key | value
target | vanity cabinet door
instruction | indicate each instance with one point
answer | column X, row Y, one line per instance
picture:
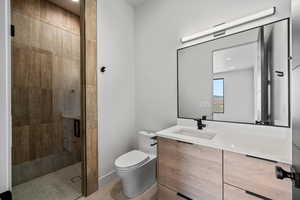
column 166, row 194
column 233, row 193
column 256, row 175
column 192, row 170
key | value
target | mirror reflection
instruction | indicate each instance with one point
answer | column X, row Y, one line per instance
column 238, row 78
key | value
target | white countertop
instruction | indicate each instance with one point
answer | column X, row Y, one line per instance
column 263, row 142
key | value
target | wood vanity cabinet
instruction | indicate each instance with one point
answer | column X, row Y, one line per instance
column 189, row 170
column 253, row 176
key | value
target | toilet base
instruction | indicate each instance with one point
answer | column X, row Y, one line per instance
column 137, row 181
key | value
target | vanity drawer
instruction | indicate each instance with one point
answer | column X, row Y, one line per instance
column 233, row 193
column 166, row 194
column 193, row 170
column 256, row 175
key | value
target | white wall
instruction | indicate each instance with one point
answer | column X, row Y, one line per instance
column 116, row 85
column 159, row 26
column 5, row 130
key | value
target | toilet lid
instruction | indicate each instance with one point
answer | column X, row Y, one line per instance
column 131, row 159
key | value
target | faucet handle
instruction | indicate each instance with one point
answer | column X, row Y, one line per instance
column 154, row 138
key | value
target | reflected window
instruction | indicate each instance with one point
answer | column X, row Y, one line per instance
column 218, row 96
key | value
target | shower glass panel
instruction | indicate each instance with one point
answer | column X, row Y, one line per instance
column 46, row 101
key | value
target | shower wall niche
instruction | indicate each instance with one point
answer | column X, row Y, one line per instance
column 45, row 89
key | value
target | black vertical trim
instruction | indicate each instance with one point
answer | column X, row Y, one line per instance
column 223, row 182
column 289, row 72
column 76, row 127
column 12, row 30
column 83, row 98
column 178, row 107
column 6, row 195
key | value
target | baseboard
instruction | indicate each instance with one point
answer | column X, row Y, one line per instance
column 103, row 180
column 6, row 195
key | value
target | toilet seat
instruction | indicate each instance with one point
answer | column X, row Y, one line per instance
column 132, row 159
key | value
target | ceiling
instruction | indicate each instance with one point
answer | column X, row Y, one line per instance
column 73, row 7
column 235, row 58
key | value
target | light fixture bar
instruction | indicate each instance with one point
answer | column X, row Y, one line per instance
column 224, row 26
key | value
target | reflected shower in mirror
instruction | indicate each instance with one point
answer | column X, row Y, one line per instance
column 242, row 77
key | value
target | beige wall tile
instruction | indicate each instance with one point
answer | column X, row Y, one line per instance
column 67, row 73
column 28, row 7
column 18, row 5
column 92, row 163
column 58, row 72
column 20, row 144
column 20, row 73
column 58, row 104
column 47, row 33
column 76, row 24
column 58, row 134
column 20, row 108
column 46, row 71
column 58, row 42
column 34, row 69
column 47, row 10
column 75, row 77
column 35, row 105
column 91, row 103
column 32, row 7
column 91, row 63
column 67, row 17
column 75, row 47
column 22, row 28
column 67, row 44
column 34, row 37
column 47, row 106
column 91, row 19
column 91, row 96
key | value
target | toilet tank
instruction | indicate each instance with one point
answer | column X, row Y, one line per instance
column 145, row 142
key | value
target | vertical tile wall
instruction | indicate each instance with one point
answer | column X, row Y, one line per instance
column 90, row 89
column 45, row 87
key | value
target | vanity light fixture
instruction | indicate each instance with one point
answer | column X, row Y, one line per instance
column 75, row 0
column 232, row 24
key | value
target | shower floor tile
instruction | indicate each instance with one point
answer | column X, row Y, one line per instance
column 64, row 184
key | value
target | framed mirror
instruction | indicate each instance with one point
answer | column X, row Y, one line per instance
column 241, row 78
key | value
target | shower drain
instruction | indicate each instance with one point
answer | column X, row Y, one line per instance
column 75, row 179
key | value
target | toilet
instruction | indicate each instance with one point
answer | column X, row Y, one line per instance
column 137, row 168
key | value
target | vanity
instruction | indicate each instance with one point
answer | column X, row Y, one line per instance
column 239, row 85
column 226, row 163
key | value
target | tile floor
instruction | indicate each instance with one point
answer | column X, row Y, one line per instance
column 64, row 184
column 113, row 191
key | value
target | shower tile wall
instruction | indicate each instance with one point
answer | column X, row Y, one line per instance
column 45, row 88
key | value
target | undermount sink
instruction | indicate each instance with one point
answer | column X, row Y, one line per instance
column 203, row 134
